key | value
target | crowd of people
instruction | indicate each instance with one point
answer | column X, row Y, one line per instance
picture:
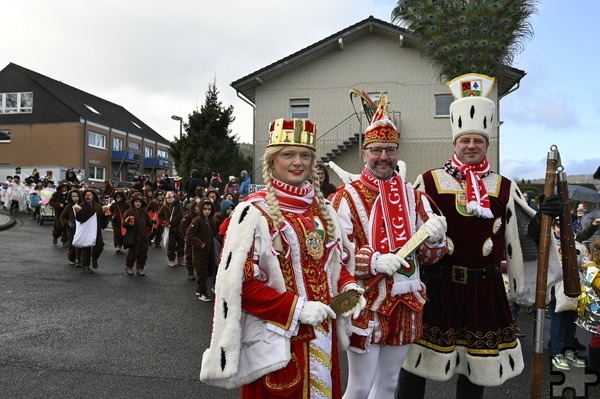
column 406, row 278
column 160, row 214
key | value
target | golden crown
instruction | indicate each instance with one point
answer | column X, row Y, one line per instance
column 292, row 132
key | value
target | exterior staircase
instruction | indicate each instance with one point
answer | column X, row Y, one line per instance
column 344, row 135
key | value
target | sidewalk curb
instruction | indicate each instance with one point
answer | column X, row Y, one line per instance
column 11, row 222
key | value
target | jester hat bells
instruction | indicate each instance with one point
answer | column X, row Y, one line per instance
column 381, row 129
column 296, row 131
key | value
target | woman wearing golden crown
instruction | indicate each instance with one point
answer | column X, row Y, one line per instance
column 284, row 260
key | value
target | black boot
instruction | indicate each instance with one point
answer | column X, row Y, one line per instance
column 467, row 390
column 411, row 386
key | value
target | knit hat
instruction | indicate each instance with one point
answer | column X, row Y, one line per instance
column 224, row 205
column 381, row 129
column 63, row 183
column 296, row 131
column 137, row 196
column 472, row 111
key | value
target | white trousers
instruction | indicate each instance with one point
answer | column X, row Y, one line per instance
column 374, row 375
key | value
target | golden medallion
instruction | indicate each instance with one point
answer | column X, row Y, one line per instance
column 314, row 244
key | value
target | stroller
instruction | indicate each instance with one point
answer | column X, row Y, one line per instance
column 46, row 212
column 34, row 202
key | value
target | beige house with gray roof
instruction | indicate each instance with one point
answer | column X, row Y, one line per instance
column 373, row 56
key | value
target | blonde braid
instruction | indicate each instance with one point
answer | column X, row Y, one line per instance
column 271, row 198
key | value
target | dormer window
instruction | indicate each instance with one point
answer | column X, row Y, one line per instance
column 16, row 103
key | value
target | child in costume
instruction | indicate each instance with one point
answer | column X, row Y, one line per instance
column 137, row 218
column 153, row 207
column 90, row 208
column 67, row 220
column 589, row 305
column 170, row 216
column 194, row 207
column 116, row 212
column 199, row 236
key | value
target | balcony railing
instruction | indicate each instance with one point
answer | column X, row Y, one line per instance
column 156, row 163
column 125, row 156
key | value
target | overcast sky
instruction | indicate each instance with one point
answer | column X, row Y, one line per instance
column 156, row 58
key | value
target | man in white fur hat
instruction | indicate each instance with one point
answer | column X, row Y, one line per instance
column 468, row 328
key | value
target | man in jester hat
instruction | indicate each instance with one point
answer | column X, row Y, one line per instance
column 380, row 212
column 285, row 258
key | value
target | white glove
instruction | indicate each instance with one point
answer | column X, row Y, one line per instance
column 436, row 227
column 360, row 305
column 314, row 312
column 389, row 264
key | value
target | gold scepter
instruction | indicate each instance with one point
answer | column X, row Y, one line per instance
column 344, row 302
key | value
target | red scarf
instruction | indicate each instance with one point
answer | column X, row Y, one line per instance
column 389, row 221
column 477, row 196
column 291, row 199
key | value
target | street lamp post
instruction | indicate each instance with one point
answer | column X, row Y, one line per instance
column 180, row 119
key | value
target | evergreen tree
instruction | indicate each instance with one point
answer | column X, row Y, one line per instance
column 208, row 143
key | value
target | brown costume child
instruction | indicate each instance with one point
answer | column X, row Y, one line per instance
column 67, row 220
column 117, row 210
column 170, row 215
column 137, row 218
column 195, row 208
column 153, row 207
column 148, row 192
column 90, row 207
column 199, row 236
column 58, row 201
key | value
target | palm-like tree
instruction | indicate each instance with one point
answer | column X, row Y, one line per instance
column 467, row 36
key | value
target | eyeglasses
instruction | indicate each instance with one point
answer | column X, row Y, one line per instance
column 379, row 150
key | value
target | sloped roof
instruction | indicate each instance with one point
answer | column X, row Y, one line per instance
column 109, row 114
column 508, row 79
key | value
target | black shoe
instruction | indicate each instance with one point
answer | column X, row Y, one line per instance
column 204, row 297
column 191, row 276
column 87, row 270
column 579, row 346
column 95, row 263
column 54, row 241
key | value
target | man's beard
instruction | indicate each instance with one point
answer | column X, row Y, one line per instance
column 382, row 175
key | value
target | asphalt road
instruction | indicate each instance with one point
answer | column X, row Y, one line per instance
column 64, row 334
